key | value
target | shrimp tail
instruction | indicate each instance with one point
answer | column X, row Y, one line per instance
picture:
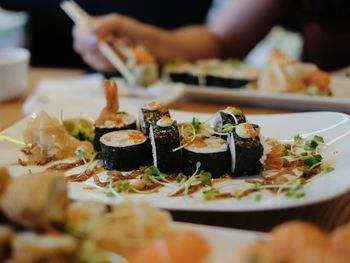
column 111, row 90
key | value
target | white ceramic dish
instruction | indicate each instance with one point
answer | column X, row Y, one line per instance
column 13, row 72
column 330, row 125
column 340, row 101
column 62, row 91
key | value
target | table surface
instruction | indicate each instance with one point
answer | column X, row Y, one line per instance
column 327, row 214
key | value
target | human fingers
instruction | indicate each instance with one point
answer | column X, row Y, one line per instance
column 98, row 62
column 83, row 39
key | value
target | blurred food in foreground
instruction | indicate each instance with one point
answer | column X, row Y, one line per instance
column 284, row 74
column 298, row 242
column 40, row 224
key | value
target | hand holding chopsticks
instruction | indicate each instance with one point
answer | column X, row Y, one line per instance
column 79, row 16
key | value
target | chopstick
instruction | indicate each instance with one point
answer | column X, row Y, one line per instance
column 79, row 16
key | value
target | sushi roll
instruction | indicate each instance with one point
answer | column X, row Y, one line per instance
column 231, row 74
column 164, row 137
column 122, row 121
column 230, row 115
column 142, row 65
column 125, row 150
column 198, row 72
column 177, row 71
column 150, row 115
column 110, row 118
column 213, row 154
column 246, row 149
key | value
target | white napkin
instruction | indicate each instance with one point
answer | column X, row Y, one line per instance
column 51, row 90
column 90, row 87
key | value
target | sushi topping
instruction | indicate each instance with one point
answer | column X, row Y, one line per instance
column 155, row 106
column 234, row 111
column 199, row 142
column 137, row 137
column 165, row 121
column 123, row 138
column 108, row 113
column 247, row 130
column 207, row 144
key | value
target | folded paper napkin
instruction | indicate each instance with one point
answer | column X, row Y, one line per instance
column 90, row 87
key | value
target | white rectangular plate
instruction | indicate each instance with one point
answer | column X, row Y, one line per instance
column 330, row 125
column 340, row 101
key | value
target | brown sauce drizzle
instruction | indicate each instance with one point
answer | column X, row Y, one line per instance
column 86, row 175
column 65, row 166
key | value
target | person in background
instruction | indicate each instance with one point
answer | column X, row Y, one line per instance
column 50, row 28
column 232, row 31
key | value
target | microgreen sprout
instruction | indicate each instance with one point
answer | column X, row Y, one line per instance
column 196, row 124
column 211, row 194
column 228, row 127
column 199, row 176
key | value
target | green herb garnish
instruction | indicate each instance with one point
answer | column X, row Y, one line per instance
column 312, row 144
column 295, row 192
column 313, row 160
column 228, row 127
column 211, row 194
column 257, row 197
column 196, row 124
column 297, row 138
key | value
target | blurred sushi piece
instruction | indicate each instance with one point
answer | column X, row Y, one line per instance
column 142, row 64
column 231, row 74
column 199, row 71
column 150, row 114
column 177, row 71
column 6, row 235
column 213, row 154
column 125, row 150
column 5, row 178
column 177, row 247
column 230, row 116
column 111, row 119
column 81, row 216
column 37, row 200
column 165, row 137
column 29, row 247
column 246, row 149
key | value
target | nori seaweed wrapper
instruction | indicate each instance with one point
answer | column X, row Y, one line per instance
column 126, row 158
column 165, row 140
column 179, row 77
column 217, row 163
column 222, row 118
column 101, row 130
column 248, row 153
column 226, row 82
column 150, row 117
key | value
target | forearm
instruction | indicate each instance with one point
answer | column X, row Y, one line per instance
column 191, row 43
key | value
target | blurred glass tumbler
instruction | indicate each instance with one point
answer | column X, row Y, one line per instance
column 13, row 72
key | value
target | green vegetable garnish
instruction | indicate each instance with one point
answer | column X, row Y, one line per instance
column 124, row 186
column 199, row 176
column 211, row 194
column 313, row 160
column 196, row 124
column 80, row 128
column 312, row 144
column 312, row 90
column 295, row 192
column 228, row 127
column 258, row 197
column 297, row 138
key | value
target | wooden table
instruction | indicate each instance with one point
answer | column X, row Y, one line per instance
column 327, row 214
